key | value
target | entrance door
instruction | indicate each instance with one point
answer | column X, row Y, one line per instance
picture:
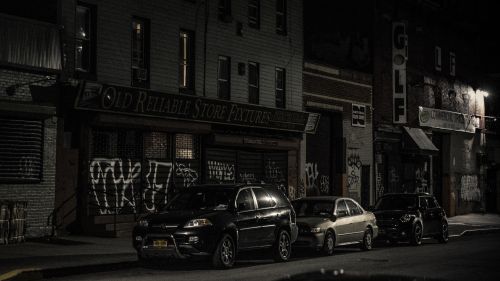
column 365, row 185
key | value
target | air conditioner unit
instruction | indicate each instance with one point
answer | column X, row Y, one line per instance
column 141, row 74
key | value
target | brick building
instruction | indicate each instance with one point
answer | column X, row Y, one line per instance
column 429, row 110
column 30, row 62
column 164, row 95
column 337, row 85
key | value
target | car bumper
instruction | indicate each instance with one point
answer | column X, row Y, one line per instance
column 310, row 240
column 394, row 233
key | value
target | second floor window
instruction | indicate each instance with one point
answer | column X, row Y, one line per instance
column 224, row 11
column 280, row 90
column 140, row 53
column 186, row 61
column 85, row 39
column 224, row 78
column 281, row 15
column 254, row 13
column 253, row 82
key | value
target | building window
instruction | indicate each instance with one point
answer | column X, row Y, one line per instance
column 85, row 39
column 280, row 77
column 452, row 63
column 254, row 13
column 358, row 115
column 253, row 82
column 186, row 147
column 437, row 58
column 224, row 11
column 186, row 61
column 224, row 78
column 281, row 17
column 140, row 53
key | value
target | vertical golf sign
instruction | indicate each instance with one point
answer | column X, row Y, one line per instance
column 399, row 58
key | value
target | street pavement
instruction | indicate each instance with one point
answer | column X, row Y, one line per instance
column 64, row 256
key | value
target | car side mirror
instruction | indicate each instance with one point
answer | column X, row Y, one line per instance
column 333, row 218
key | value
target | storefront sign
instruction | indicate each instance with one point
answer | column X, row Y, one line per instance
column 399, row 58
column 141, row 102
column 447, row 120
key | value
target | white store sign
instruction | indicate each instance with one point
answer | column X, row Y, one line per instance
column 447, row 120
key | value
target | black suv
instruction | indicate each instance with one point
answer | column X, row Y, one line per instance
column 410, row 217
column 217, row 221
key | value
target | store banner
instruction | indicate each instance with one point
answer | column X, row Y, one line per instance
column 447, row 120
column 399, row 58
column 141, row 102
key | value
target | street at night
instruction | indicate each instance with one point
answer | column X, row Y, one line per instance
column 466, row 258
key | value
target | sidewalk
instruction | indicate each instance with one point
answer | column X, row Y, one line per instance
column 68, row 255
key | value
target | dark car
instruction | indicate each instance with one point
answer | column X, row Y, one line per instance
column 217, row 221
column 410, row 217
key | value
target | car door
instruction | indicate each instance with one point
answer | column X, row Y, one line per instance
column 435, row 215
column 357, row 221
column 246, row 218
column 427, row 215
column 343, row 222
column 266, row 216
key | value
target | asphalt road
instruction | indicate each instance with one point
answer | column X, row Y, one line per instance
column 467, row 258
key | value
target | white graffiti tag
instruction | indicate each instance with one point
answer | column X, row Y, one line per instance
column 111, row 178
column 311, row 175
column 220, row 171
column 190, row 176
column 469, row 190
column 158, row 180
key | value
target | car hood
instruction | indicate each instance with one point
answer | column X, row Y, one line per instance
column 180, row 217
column 312, row 221
column 391, row 214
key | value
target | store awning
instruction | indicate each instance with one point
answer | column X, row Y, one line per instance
column 29, row 43
column 420, row 142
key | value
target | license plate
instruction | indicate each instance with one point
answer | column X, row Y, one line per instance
column 160, row 243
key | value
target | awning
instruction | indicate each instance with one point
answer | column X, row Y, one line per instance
column 29, row 43
column 418, row 142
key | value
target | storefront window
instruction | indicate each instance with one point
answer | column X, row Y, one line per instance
column 185, row 146
column 157, row 145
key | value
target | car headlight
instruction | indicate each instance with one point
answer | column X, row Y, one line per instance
column 143, row 223
column 315, row 229
column 197, row 223
column 405, row 218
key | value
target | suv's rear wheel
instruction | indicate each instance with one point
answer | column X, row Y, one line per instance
column 367, row 242
column 225, row 253
column 443, row 236
column 329, row 244
column 416, row 235
column 282, row 246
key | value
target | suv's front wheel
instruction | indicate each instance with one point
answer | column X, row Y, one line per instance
column 282, row 246
column 225, row 253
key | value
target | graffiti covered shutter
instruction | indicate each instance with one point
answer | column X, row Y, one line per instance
column 20, row 149
column 318, row 168
column 221, row 166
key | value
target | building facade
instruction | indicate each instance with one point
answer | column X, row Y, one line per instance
column 30, row 63
column 429, row 110
column 167, row 95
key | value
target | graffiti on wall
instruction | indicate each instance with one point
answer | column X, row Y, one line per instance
column 379, row 182
column 315, row 181
column 189, row 175
column 354, row 173
column 27, row 167
column 247, row 177
column 273, row 171
column 221, row 171
column 421, row 179
column 115, row 184
column 469, row 189
column 112, row 183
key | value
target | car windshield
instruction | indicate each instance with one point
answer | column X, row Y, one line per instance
column 396, row 203
column 310, row 208
column 202, row 199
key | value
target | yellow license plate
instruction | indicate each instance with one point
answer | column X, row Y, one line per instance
column 160, row 243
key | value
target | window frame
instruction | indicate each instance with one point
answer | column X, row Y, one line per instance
column 145, row 53
column 186, row 61
column 251, row 194
column 223, row 80
column 254, row 22
column 280, row 91
column 90, row 73
column 268, row 196
column 339, row 201
column 281, row 17
column 253, row 88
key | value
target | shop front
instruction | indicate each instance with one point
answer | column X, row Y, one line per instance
column 139, row 148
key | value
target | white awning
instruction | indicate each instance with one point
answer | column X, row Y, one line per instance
column 421, row 140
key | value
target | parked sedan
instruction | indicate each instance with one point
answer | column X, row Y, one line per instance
column 217, row 221
column 410, row 217
column 326, row 222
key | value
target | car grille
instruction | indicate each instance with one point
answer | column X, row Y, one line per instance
column 386, row 222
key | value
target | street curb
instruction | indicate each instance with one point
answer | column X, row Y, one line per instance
column 31, row 274
column 470, row 232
